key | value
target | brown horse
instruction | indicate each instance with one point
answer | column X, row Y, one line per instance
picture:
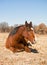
column 17, row 38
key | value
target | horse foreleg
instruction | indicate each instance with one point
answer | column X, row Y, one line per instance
column 20, row 46
column 27, row 49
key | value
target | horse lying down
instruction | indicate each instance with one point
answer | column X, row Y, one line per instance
column 16, row 40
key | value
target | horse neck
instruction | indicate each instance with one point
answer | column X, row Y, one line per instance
column 19, row 33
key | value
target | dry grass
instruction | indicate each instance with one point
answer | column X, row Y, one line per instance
column 24, row 58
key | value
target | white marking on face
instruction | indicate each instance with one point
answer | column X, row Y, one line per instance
column 34, row 34
column 29, row 42
column 32, row 29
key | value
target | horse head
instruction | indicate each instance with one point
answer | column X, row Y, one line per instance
column 28, row 33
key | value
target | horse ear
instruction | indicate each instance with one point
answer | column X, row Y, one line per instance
column 26, row 24
column 31, row 24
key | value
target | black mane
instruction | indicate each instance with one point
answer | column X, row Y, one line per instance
column 15, row 30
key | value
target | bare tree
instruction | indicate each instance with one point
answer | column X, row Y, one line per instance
column 41, row 28
column 4, row 26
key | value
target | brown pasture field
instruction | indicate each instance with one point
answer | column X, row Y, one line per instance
column 23, row 58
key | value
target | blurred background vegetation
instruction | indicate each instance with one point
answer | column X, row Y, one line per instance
column 39, row 29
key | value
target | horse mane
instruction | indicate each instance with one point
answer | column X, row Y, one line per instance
column 14, row 31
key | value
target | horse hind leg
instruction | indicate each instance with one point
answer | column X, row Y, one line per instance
column 13, row 49
column 9, row 47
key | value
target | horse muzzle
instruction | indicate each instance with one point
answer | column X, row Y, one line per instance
column 33, row 42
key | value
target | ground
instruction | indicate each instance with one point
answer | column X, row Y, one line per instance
column 23, row 58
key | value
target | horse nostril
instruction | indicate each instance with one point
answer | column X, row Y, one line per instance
column 33, row 43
